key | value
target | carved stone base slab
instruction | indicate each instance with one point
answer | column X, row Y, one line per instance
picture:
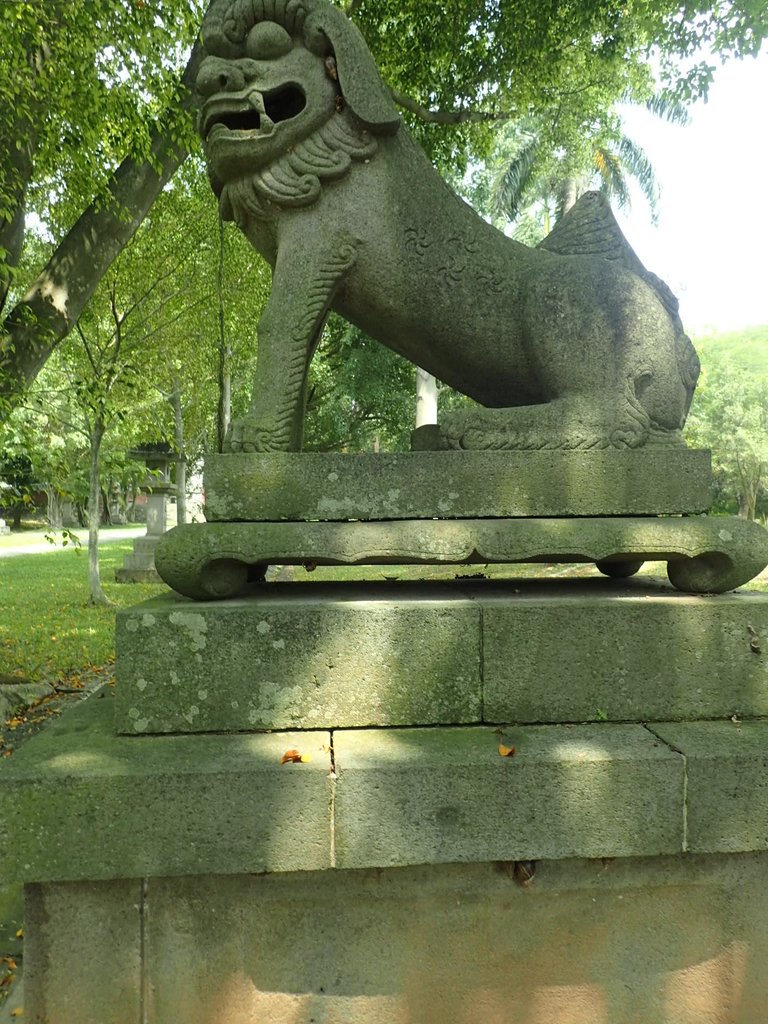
column 209, row 561
column 299, row 486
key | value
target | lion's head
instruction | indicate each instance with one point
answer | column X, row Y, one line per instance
column 289, row 96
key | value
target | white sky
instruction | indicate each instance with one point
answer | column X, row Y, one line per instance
column 711, row 241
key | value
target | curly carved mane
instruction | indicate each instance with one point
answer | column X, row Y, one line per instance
column 227, row 21
column 294, row 178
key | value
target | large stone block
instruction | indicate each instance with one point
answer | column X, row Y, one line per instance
column 417, row 796
column 457, row 485
column 344, row 656
column 726, row 766
column 585, row 942
column 310, row 657
column 78, row 802
column 573, row 652
column 83, row 950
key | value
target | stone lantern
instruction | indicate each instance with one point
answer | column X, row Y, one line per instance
column 139, row 565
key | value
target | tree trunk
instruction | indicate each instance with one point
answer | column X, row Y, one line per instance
column 52, row 305
column 181, row 463
column 426, row 398
column 53, row 508
column 569, row 195
column 224, row 376
column 19, row 157
column 97, row 595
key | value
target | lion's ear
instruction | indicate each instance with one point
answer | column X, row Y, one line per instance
column 361, row 84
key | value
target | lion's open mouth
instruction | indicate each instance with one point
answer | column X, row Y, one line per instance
column 259, row 113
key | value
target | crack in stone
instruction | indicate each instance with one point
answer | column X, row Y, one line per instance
column 677, row 750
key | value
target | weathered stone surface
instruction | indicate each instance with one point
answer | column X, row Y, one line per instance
column 315, row 656
column 416, row 796
column 577, row 651
column 78, row 802
column 139, row 565
column 350, row 655
column 572, row 344
column 587, row 942
column 82, row 957
column 11, row 917
column 726, row 767
column 208, row 561
column 457, row 485
column 674, row 940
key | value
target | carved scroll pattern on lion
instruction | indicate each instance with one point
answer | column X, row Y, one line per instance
column 571, row 345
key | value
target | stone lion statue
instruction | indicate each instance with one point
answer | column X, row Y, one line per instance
column 570, row 345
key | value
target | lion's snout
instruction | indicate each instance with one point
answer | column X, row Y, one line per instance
column 217, row 75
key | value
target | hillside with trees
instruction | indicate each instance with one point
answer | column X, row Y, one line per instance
column 730, row 416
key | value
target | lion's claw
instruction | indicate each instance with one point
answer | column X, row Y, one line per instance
column 248, row 435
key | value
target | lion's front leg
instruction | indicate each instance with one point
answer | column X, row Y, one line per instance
column 303, row 286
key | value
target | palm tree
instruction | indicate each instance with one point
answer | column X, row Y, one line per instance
column 530, row 184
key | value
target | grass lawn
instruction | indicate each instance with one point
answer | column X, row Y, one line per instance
column 49, row 631
column 47, row 628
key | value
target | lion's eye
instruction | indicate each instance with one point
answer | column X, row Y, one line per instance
column 267, row 40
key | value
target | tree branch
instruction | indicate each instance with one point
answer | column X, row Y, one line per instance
column 53, row 304
column 449, row 116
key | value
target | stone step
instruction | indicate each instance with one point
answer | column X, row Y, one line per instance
column 79, row 803
column 391, row 654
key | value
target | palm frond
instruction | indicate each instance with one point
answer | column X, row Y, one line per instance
column 509, row 187
column 667, row 108
column 636, row 162
column 613, row 179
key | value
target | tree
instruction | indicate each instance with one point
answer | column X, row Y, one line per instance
column 95, row 115
column 526, row 184
column 729, row 415
column 107, row 75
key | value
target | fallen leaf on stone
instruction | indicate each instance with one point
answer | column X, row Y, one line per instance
column 505, row 751
column 294, row 757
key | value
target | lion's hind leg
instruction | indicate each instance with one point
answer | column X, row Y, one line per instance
column 574, row 422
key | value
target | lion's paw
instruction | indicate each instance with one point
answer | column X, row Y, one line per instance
column 247, row 435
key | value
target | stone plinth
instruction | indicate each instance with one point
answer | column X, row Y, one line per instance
column 411, row 875
column 209, row 561
column 117, row 807
column 457, row 485
column 675, row 940
column 350, row 655
column 79, row 803
column 300, row 656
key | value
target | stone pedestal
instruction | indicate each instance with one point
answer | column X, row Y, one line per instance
column 392, row 875
column 420, row 803
column 4, row 527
